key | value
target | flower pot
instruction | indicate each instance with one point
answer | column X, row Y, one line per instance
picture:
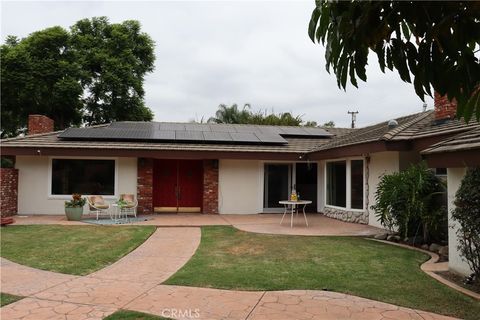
column 74, row 213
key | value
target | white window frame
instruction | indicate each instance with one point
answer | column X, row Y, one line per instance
column 348, row 163
column 69, row 196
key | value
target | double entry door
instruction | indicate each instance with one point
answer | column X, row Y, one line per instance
column 177, row 185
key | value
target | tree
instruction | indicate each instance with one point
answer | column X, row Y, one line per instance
column 91, row 74
column 233, row 114
column 467, row 215
column 39, row 75
column 432, row 44
column 329, row 124
column 114, row 58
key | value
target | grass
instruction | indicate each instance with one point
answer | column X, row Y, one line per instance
column 231, row 259
column 6, row 298
column 133, row 315
column 77, row 250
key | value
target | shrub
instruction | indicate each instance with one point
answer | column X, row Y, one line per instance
column 408, row 200
column 467, row 214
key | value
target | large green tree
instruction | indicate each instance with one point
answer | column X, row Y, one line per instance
column 92, row 73
column 433, row 44
column 39, row 75
column 114, row 58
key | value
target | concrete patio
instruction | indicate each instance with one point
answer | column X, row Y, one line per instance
column 318, row 224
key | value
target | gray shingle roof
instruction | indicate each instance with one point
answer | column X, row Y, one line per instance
column 469, row 140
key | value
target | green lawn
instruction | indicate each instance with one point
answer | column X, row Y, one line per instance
column 231, row 259
column 6, row 298
column 77, row 250
column 133, row 315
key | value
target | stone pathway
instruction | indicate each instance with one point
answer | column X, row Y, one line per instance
column 134, row 283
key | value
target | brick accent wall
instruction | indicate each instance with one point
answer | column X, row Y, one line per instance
column 444, row 109
column 210, row 186
column 8, row 191
column 38, row 123
column 145, row 185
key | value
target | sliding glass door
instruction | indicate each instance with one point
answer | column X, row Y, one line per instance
column 277, row 184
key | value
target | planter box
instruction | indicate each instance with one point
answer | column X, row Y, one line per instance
column 74, row 214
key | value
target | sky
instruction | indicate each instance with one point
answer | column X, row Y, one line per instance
column 208, row 53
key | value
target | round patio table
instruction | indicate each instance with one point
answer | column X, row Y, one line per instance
column 294, row 205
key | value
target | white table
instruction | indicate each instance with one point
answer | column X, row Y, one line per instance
column 117, row 212
column 294, row 205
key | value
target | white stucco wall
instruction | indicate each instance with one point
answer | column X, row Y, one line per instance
column 380, row 163
column 240, row 189
column 455, row 263
column 33, row 182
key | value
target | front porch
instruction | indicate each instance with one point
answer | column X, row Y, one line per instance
column 319, row 225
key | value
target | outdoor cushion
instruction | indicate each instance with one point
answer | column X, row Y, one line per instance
column 101, row 205
column 129, row 198
column 129, row 204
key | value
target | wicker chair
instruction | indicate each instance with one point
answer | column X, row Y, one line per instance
column 131, row 205
column 97, row 205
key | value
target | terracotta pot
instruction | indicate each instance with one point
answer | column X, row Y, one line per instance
column 74, row 214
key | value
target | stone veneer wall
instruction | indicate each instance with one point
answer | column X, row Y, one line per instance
column 145, row 185
column 345, row 215
column 210, row 186
column 8, row 191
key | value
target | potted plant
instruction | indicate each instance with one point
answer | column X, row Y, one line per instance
column 74, row 207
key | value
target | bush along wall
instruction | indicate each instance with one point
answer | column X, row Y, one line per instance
column 467, row 214
column 409, row 202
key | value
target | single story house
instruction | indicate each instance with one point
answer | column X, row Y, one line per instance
column 220, row 168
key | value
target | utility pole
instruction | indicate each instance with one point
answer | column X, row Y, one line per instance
column 354, row 117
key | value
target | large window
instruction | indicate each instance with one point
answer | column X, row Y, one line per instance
column 83, row 176
column 336, row 183
column 345, row 184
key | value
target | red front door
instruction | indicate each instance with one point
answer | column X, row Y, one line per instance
column 190, row 184
column 177, row 185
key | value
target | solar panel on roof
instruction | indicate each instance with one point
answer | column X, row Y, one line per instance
column 244, row 137
column 197, row 127
column 293, row 131
column 317, row 131
column 163, row 135
column 222, row 128
column 217, row 136
column 270, row 138
column 189, row 135
column 248, row 129
column 172, row 126
column 155, row 131
column 134, row 125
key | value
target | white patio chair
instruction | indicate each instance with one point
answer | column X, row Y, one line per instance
column 97, row 205
column 130, row 208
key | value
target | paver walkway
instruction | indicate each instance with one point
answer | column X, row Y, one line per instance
column 134, row 283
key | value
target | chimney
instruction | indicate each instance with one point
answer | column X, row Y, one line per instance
column 38, row 123
column 444, row 109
